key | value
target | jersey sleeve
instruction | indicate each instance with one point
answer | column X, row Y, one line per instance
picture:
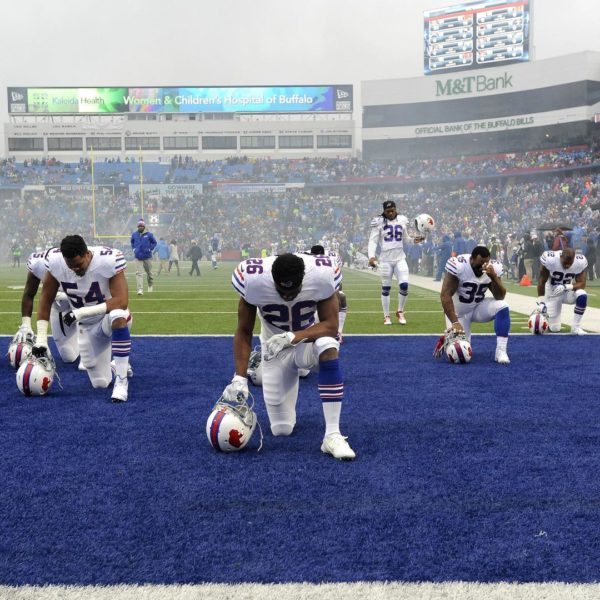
column 545, row 259
column 581, row 262
column 113, row 262
column 497, row 267
column 452, row 266
column 238, row 279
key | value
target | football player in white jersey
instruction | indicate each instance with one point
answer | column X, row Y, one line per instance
column 467, row 279
column 287, row 291
column 388, row 233
column 319, row 250
column 64, row 335
column 94, row 281
column 563, row 276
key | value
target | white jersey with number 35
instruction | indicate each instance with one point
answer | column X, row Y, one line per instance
column 253, row 281
column 93, row 287
column 471, row 289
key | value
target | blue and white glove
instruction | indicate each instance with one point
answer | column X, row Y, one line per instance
column 274, row 345
column 237, row 387
column 540, row 306
column 560, row 289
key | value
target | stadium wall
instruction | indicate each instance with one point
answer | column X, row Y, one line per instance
column 202, row 136
column 519, row 107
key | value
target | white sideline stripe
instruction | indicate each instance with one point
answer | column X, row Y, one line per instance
column 517, row 302
column 458, row 590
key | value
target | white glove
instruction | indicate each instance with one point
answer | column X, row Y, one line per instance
column 22, row 334
column 238, row 386
column 559, row 289
column 274, row 345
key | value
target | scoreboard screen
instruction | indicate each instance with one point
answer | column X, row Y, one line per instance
column 475, row 35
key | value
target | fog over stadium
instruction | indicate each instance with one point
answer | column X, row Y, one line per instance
column 265, row 42
column 442, row 157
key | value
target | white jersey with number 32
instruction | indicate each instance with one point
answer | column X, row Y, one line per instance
column 558, row 274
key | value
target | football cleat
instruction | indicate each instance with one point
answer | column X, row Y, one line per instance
column 231, row 424
column 140, row 292
column 401, row 318
column 339, row 338
column 150, row 288
column 387, row 320
column 120, row 390
column 336, row 445
column 578, row 331
column 538, row 323
column 35, row 376
column 501, row 357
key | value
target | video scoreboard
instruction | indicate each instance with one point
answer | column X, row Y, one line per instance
column 475, row 35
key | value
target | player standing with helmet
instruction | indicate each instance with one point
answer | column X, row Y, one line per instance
column 389, row 231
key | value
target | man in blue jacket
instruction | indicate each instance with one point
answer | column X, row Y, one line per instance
column 143, row 243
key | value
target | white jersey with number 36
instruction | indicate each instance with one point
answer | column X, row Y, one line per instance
column 93, row 287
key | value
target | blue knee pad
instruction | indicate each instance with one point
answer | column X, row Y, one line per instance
column 385, row 290
column 404, row 288
column 502, row 322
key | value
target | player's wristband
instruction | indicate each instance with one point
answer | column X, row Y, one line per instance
column 569, row 287
column 42, row 333
column 26, row 322
column 90, row 311
column 239, row 379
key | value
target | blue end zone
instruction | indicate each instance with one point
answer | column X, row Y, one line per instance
column 476, row 472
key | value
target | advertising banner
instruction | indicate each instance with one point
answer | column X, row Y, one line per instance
column 259, row 99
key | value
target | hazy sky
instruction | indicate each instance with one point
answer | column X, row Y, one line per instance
column 77, row 43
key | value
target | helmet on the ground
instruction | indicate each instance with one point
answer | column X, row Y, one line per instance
column 35, row 376
column 230, row 425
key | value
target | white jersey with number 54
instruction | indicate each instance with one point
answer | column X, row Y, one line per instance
column 93, row 287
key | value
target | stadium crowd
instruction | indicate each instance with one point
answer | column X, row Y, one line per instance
column 501, row 211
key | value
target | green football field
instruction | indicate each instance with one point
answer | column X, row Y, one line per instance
column 208, row 304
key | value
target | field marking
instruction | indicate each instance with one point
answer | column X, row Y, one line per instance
column 363, row 590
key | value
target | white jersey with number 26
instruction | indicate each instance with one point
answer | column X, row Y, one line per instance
column 253, row 281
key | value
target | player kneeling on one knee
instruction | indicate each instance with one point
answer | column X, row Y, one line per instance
column 94, row 280
column 563, row 277
column 468, row 277
column 286, row 291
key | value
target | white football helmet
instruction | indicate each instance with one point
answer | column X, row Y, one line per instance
column 35, row 376
column 538, row 323
column 19, row 351
column 458, row 349
column 230, row 425
column 424, row 224
column 254, row 373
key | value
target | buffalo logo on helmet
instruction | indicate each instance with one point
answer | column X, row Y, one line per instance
column 538, row 323
column 35, row 376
